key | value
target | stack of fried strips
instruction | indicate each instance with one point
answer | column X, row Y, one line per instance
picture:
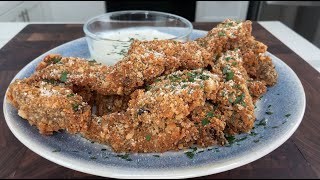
column 163, row 95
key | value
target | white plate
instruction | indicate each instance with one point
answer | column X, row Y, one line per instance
column 286, row 97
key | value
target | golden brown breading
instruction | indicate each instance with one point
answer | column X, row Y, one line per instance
column 144, row 62
column 157, row 120
column 233, row 97
column 179, row 102
column 230, row 35
column 107, row 104
column 256, row 89
column 258, row 65
column 50, row 108
column 227, row 35
column 210, row 124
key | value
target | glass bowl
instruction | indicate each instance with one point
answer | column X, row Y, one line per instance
column 109, row 35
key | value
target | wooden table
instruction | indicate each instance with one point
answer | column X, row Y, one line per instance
column 299, row 157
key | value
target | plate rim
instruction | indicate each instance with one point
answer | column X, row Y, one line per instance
column 183, row 172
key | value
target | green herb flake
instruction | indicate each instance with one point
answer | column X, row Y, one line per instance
column 157, row 80
column 190, row 155
column 70, row 95
column 287, row 115
column 227, row 58
column 75, row 151
column 269, row 106
column 194, row 149
column 204, row 77
column 92, row 62
column 125, row 157
column 274, row 127
column 148, row 137
column 103, row 149
column 56, row 60
column 225, row 70
column 229, row 75
column 63, row 77
column 241, row 139
column 262, row 122
column 210, row 114
column 93, row 158
column 239, row 98
column 205, row 121
column 269, row 112
column 51, row 81
column 56, row 150
column 234, row 63
column 75, row 107
column 156, row 156
column 253, row 134
column 184, row 86
column 256, row 141
column 221, row 33
column 230, row 139
column 200, row 152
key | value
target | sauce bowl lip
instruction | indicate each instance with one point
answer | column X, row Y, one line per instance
column 97, row 37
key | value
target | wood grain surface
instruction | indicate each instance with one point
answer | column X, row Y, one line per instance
column 299, row 157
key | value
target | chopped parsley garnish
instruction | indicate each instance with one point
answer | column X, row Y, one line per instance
column 273, row 127
column 239, row 98
column 229, row 75
column 269, row 112
column 269, row 106
column 234, row 63
column 103, row 149
column 190, row 155
column 287, row 115
column 227, row 58
column 125, row 157
column 191, row 76
column 56, row 60
column 93, row 158
column 194, row 149
column 156, row 156
column 148, row 87
column 210, row 114
column 157, row 80
column 256, row 141
column 75, row 107
column 92, row 62
column 148, row 137
column 253, row 134
column 56, row 150
column 239, row 140
column 184, row 86
column 205, row 121
column 122, row 52
column 70, row 95
column 221, row 33
column 51, row 81
column 262, row 122
column 230, row 139
column 63, row 77
column 204, row 77
column 174, row 78
column 200, row 152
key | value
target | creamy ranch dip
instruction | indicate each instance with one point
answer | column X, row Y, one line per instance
column 110, row 51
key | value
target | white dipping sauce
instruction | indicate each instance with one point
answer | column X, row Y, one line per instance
column 109, row 52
